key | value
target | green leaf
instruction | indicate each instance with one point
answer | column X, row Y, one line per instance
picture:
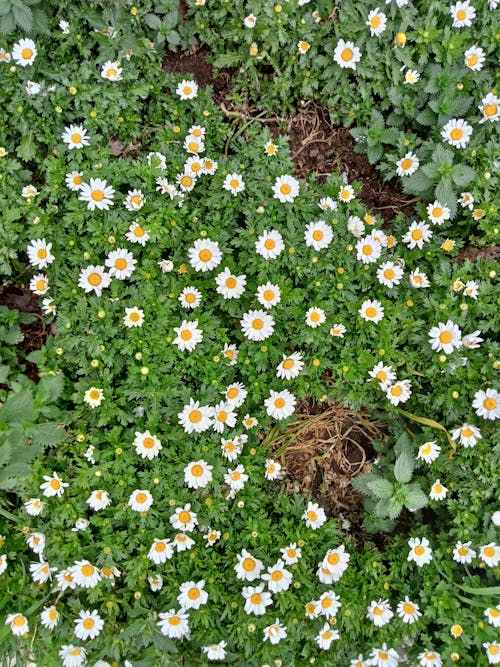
column 23, row 16
column 415, row 497
column 404, row 466
column 463, row 175
column 393, row 508
column 27, row 149
column 153, row 21
column 46, row 435
column 50, row 388
column 173, row 38
column 6, row 449
column 446, row 195
column 18, row 407
column 10, row 473
column 227, row 60
column 381, row 488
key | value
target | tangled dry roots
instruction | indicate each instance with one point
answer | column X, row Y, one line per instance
column 324, row 450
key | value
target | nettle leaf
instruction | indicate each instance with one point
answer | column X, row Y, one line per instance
column 27, row 149
column 393, row 508
column 404, row 467
column 415, row 497
column 46, row 435
column 6, row 449
column 463, row 175
column 445, row 194
column 50, row 388
column 10, row 473
column 18, row 407
column 381, row 488
column 418, row 184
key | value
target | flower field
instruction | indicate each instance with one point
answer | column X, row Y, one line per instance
column 180, row 304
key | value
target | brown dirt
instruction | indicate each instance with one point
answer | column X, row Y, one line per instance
column 36, row 333
column 321, row 148
column 489, row 254
column 323, row 450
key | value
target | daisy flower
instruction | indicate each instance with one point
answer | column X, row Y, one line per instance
column 399, row 392
column 270, row 148
column 174, row 624
column 234, row 184
column 438, row 213
column 186, row 181
column 188, row 336
column 236, row 479
column 490, row 108
column 420, row 551
column 94, row 278
column 457, row 132
column 368, row 250
column 24, row 52
column 231, row 448
column 72, row 656
column 137, row 234
column 389, row 274
column 438, row 491
column 409, row 612
column 194, row 145
column 121, row 263
column 182, row 542
column 356, row 226
column 248, row 568
column 187, row 89
column 418, row 233
column 474, row 58
column 97, row 194
column 148, row 446
column 291, row 554
column 134, row 200
column 419, row 279
column 5, row 57
column 407, row 165
column 194, row 166
column 471, row 289
column 411, row 76
column 190, row 297
column 211, row 537
column 34, row 506
column 318, row 235
column 85, row 574
column 192, row 594
column 111, row 70
column 315, row 317
column 18, row 624
column 75, row 136
column 314, row 516
column 39, row 284
column 487, row 403
column 269, row 244
column 445, row 337
column 384, row 374
column 346, row 54
column 303, row 46
column 379, row 612
column 268, row 295
column 377, row 22
column 428, row 452
column 273, row 470
column 430, row 658
column 290, row 366
column 329, row 604
column 196, row 418
column 250, row 21
column 371, row 311
column 157, row 160
column 184, row 519
column 74, row 180
column 280, row 404
column 140, row 500
column 204, row 255
column 209, row 166
column 134, row 317
column 215, row 651
column 467, row 434
column 160, row 551
column 490, row 554
column 327, row 204
column 98, row 500
column 336, row 562
column 257, row 325
column 286, row 188
column 88, row 625
column 53, row 486
column 156, row 584
column 223, row 417
column 472, row 341
column 346, row 194
column 326, row 636
column 492, row 652
column 338, row 331
column 256, row 599
column 275, row 632
column 230, row 286
column 198, row 474
column 462, row 14
column 493, row 616
column 49, row 617
column 466, row 200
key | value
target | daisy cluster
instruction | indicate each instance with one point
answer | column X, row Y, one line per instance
column 199, row 292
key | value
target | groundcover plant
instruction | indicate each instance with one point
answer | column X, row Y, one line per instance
column 198, row 292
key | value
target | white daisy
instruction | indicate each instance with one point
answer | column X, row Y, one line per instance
column 474, row 58
column 174, row 624
column 407, row 165
column 420, row 551
column 192, row 594
column 190, row 298
column 24, row 52
column 250, row 21
column 39, row 284
column 234, row 184
column 438, row 213
column 194, row 145
column 377, row 22
column 74, row 180
column 438, row 491
column 187, row 89
column 75, row 136
column 184, row 519
column 215, row 651
column 134, row 200
column 237, row 478
column 290, row 366
column 204, row 255
column 280, row 404
column 419, row 279
column 445, row 337
column 98, row 500
column 418, row 233
column 186, row 181
column 346, row 54
column 49, row 617
column 98, row 194
column 467, row 434
column 389, row 274
column 490, row 108
column 197, row 474
column 318, row 235
column 121, row 263
column 137, row 234
column 273, row 470
column 195, row 418
column 428, row 452
column 314, row 515
column 291, row 554
column 248, row 568
column 462, row 14
column 487, row 403
column 346, row 194
column 188, row 336
column 384, row 374
column 134, row 317
column 148, row 446
column 275, row 632
column 371, row 311
column 315, row 317
column 235, row 394
column 338, row 331
column 327, row 204
column 140, row 500
column 94, row 278
column 430, row 658
column 399, row 392
column 286, row 189
column 88, row 625
column 457, row 132
column 111, row 71
column 85, row 574
column 160, row 551
column 194, row 166
column 256, row 599
column 257, row 325
column 408, row 611
column 229, row 285
column 490, row 554
column 34, row 506
column 223, row 417
column 269, row 244
column 368, row 250
column 53, row 486
column 379, row 612
column 326, row 636
column 94, row 397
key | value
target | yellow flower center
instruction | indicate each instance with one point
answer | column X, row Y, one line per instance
column 53, row 614
column 141, row 498
column 174, row 620
column 445, row 337
column 389, row 274
column 408, row 608
column 186, row 181
column 406, row 164
column 288, row 364
column 135, row 317
column 279, row 403
column 41, row 285
column 367, row 250
column 396, row 390
column 55, row 484
column 41, row 253
column 419, row 550
column 437, row 211
column 184, row 516
column 256, row 598
column 311, row 515
column 371, row 312
column 222, row 416
column 461, row 15
column 87, row 570
column 193, row 594
column 19, row 620
column 257, row 324
column 193, row 146
column 26, row 53
column 456, row 134
column 277, row 575
column 187, row 90
column 76, row 138
column 347, row 55
column 160, row 546
column 269, row 244
column 148, row 443
column 378, row 611
column 375, row 21
column 186, row 334
column 268, row 295
column 205, row 255
column 195, row 416
column 315, row 316
column 416, row 234
column 231, row 282
column 88, row 623
column 139, row 231
column 317, row 235
column 285, row 189
column 248, row 564
column 94, row 279
column 437, row 488
column 490, row 109
column 232, row 393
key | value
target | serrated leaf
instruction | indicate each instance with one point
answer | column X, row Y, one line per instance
column 393, row 508
column 6, row 449
column 26, row 149
column 446, row 195
column 361, row 483
column 11, row 335
column 404, row 466
column 381, row 488
column 50, row 388
column 45, row 435
column 463, row 175
column 173, row 38
column 415, row 498
column 426, row 117
column 152, row 21
column 18, row 407
column 23, row 16
column 11, row 472
column 227, row 60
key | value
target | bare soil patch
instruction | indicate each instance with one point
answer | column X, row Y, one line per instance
column 326, row 447
column 488, row 254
